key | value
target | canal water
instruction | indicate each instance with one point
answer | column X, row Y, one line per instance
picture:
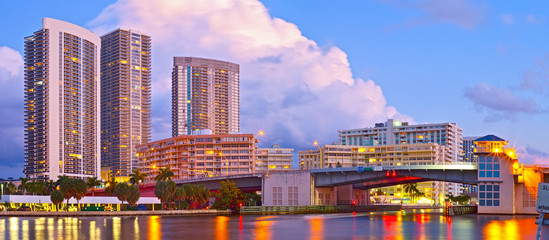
column 407, row 224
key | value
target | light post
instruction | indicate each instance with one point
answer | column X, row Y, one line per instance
column 319, row 149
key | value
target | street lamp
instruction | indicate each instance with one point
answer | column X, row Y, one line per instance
column 319, row 149
column 221, row 154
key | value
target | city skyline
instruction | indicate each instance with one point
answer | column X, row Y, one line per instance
column 299, row 86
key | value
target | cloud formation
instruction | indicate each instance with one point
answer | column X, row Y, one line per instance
column 11, row 106
column 532, row 155
column 507, row 19
column 499, row 103
column 461, row 13
column 291, row 88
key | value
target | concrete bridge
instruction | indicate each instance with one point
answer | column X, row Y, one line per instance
column 383, row 176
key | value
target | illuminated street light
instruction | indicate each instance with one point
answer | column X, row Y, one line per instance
column 319, row 149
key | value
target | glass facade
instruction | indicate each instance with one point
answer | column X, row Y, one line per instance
column 125, row 98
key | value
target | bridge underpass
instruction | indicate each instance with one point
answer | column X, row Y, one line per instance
column 383, row 176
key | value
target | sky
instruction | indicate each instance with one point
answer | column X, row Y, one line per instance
column 309, row 68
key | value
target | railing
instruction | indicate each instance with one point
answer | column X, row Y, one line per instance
column 460, row 210
column 262, row 210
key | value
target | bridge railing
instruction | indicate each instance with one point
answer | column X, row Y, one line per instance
column 270, row 210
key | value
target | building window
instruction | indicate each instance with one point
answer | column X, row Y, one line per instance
column 489, row 194
column 292, row 196
column 529, row 196
column 277, row 196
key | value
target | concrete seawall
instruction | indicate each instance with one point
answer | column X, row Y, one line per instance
column 114, row 213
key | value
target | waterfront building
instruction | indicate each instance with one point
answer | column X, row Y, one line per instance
column 125, row 99
column 196, row 156
column 382, row 155
column 205, row 95
column 393, row 132
column 62, row 104
column 274, row 158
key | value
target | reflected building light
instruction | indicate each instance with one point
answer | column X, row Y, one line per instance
column 155, row 228
column 220, row 228
column 25, row 229
column 315, row 226
column 136, row 228
column 92, row 230
column 14, row 228
column 51, row 227
column 39, row 228
column 116, row 228
column 263, row 229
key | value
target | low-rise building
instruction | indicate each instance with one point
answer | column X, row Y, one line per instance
column 274, row 158
column 193, row 156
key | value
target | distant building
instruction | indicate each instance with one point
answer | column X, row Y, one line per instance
column 469, row 156
column 125, row 98
column 62, row 96
column 274, row 158
column 196, row 156
column 393, row 132
column 205, row 95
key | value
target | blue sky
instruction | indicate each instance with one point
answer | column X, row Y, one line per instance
column 309, row 68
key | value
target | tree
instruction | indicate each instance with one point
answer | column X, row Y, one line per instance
column 411, row 190
column 137, row 177
column 133, row 195
column 67, row 188
column 49, row 187
column 164, row 174
column 23, row 186
column 253, row 199
column 164, row 190
column 121, row 191
column 11, row 187
column 60, row 179
column 30, row 187
column 180, row 195
column 56, row 198
column 228, row 197
column 92, row 183
column 111, row 185
column 80, row 189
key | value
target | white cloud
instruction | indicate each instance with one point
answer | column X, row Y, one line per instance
column 11, row 61
column 11, row 107
column 290, row 87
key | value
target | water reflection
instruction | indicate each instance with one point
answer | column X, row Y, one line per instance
column 316, row 226
column 155, row 231
column 220, row 231
column 390, row 225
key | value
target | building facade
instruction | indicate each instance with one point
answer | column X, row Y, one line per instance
column 205, row 95
column 196, row 156
column 62, row 108
column 383, row 155
column 393, row 132
column 125, row 99
column 274, row 158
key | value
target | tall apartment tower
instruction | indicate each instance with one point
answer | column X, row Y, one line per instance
column 205, row 95
column 62, row 102
column 125, row 99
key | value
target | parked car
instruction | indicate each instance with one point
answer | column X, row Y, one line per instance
column 24, row 208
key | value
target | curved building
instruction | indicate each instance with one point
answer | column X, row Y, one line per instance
column 62, row 108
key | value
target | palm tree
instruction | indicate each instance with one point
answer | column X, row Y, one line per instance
column 111, row 185
column 137, row 177
column 121, row 191
column 165, row 174
column 410, row 189
column 80, row 189
column 49, row 187
column 92, row 183
column 23, row 186
column 60, row 179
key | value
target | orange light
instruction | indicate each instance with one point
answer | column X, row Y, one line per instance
column 261, row 133
column 315, row 143
column 154, row 166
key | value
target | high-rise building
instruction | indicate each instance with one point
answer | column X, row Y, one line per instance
column 198, row 156
column 469, row 149
column 205, row 95
column 125, row 99
column 448, row 135
column 62, row 108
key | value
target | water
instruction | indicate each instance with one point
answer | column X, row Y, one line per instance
column 402, row 225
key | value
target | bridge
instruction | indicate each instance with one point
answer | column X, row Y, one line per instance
column 383, row 176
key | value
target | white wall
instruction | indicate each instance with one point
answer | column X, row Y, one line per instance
column 284, row 180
